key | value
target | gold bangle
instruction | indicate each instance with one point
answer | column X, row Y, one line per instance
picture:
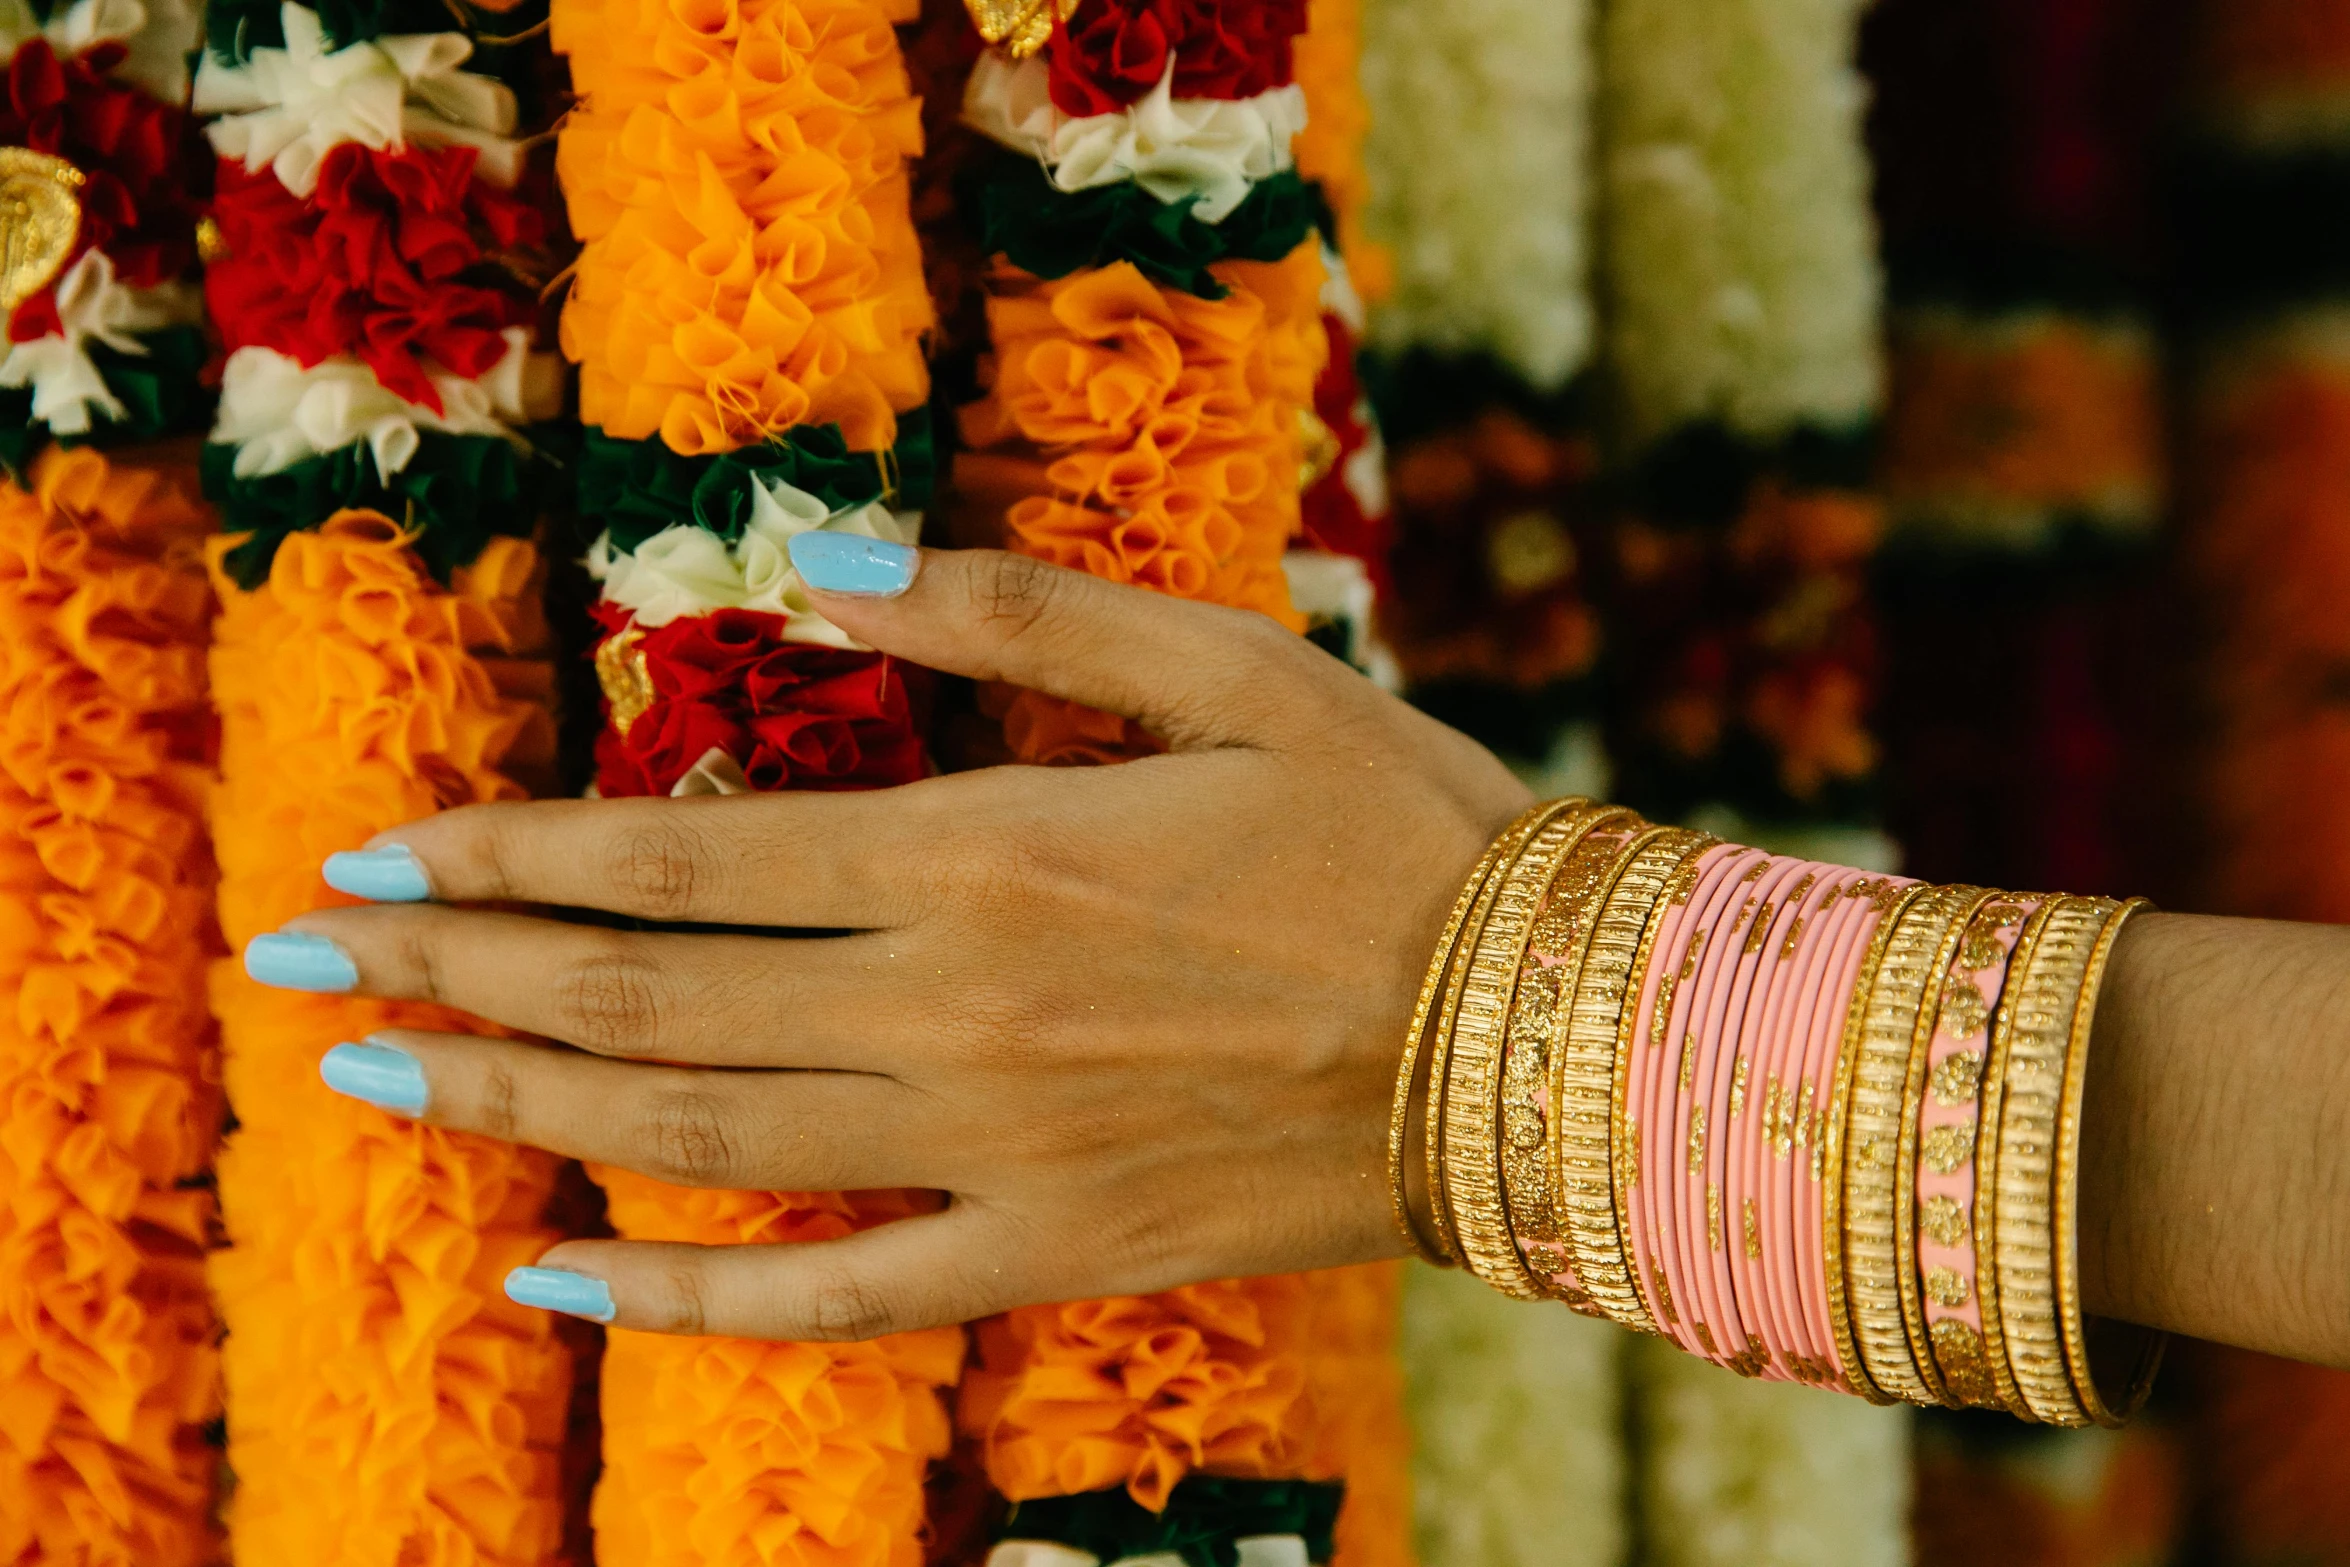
column 1537, row 1027
column 2032, row 1083
column 1889, row 1039
column 1893, row 902
column 2143, row 1346
column 1430, row 1249
column 1986, row 1204
column 1905, row 1156
column 1614, row 907
column 1471, row 1151
column 1505, row 849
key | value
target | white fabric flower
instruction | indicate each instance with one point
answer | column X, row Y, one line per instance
column 160, row 35
column 277, row 413
column 1173, row 147
column 288, row 108
column 688, row 570
column 93, row 308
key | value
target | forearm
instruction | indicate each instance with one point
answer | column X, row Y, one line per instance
column 2215, row 1165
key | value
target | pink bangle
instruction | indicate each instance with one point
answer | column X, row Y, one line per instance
column 1948, row 1115
column 1668, row 1131
column 1781, row 1030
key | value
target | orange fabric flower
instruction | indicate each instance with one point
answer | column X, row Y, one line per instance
column 107, row 1371
column 1329, row 150
column 737, row 169
column 388, row 1407
column 1365, row 1438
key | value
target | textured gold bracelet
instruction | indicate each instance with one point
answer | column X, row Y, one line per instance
column 2139, row 1348
column 2032, row 1093
column 1905, row 1156
column 1537, row 1029
column 1472, row 1082
column 1986, row 1204
column 1899, row 993
column 1893, row 901
column 1614, row 909
column 1504, row 852
column 1430, row 1247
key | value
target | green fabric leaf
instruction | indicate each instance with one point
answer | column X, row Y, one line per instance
column 1205, row 1515
column 459, row 490
column 1052, row 232
column 235, row 28
column 637, row 488
column 161, row 393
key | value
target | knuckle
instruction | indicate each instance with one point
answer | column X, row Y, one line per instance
column 608, row 1002
column 656, row 864
column 689, row 1307
column 683, row 1138
column 842, row 1306
column 500, row 1097
column 1011, row 593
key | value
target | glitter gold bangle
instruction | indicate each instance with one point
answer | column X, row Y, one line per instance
column 2140, row 1349
column 1893, row 901
column 1505, row 849
column 1472, row 1080
column 1905, row 1156
column 1537, row 1028
column 1898, row 1008
column 1986, row 1204
column 1407, row 1070
column 2032, row 1085
column 1614, row 913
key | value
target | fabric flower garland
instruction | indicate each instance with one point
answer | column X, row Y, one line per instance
column 380, row 655
column 748, row 316
column 1146, row 383
column 107, row 1365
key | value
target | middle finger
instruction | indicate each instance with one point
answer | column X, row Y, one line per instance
column 706, row 1000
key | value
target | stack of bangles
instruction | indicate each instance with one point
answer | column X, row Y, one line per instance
column 1813, row 1124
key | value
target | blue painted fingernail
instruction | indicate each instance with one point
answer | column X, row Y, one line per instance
column 552, row 1289
column 292, row 961
column 852, row 563
column 384, row 1075
column 390, row 874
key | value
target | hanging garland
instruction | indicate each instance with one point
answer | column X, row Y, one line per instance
column 107, row 1361
column 747, row 316
column 380, row 655
column 1145, row 422
column 106, row 1356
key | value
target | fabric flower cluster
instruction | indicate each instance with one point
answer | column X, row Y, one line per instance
column 107, row 1360
column 384, row 1395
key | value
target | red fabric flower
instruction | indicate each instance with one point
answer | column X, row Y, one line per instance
column 1114, row 51
column 369, row 265
column 142, row 161
column 1331, row 517
column 793, row 715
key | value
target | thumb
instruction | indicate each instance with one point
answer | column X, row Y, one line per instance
column 1194, row 674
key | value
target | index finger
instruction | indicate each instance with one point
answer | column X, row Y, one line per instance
column 815, row 860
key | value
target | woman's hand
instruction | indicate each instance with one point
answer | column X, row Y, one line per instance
column 1140, row 1022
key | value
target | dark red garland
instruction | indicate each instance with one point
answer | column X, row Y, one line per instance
column 1113, row 52
column 1331, row 516
column 793, row 715
column 369, row 264
column 143, row 167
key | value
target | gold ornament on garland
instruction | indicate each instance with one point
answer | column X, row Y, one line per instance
column 39, row 216
column 1021, row 26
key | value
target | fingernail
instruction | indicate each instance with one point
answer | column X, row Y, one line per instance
column 852, row 563
column 552, row 1289
column 384, row 1075
column 386, row 875
column 296, row 962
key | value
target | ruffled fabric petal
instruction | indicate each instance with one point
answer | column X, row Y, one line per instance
column 285, row 109
column 156, row 36
column 93, row 309
column 740, row 182
column 107, row 1106
column 1208, row 149
column 388, row 1406
column 278, row 412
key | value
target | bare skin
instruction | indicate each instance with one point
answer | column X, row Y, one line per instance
column 1141, row 1023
